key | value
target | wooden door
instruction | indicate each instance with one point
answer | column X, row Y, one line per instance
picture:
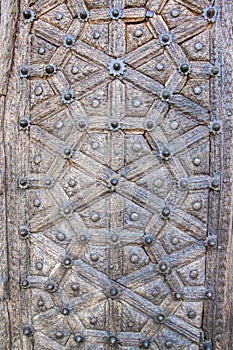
column 116, row 174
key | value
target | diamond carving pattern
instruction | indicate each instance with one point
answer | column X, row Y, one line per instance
column 119, row 175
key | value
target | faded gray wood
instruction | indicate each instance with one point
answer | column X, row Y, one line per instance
column 70, row 204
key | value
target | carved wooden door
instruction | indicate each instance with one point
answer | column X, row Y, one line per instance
column 114, row 130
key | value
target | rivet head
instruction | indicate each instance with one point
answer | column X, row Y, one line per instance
column 192, row 314
column 59, row 335
column 24, row 283
column 67, row 262
column 24, row 71
column 184, row 68
column 160, row 67
column 145, row 344
column 23, row 183
column 166, row 212
column 23, row 122
column 95, row 145
column 60, row 236
column 212, row 243
column 166, row 153
column 149, row 240
column 114, row 238
column 150, row 124
column 95, row 103
column 37, row 159
column 38, row 90
column 168, row 345
column 175, row 240
column 165, row 39
column 216, row 126
column 196, row 161
column 175, row 13
column 39, row 266
column 136, row 103
column 68, row 152
column 40, row 303
column 163, row 267
column 198, row 46
column 117, row 66
column 41, row 50
column 94, row 257
column 209, row 294
column 24, row 232
column 82, row 124
column 75, row 287
column 160, row 318
column 215, row 183
column 138, row 33
column 178, row 296
column 215, row 70
column 134, row 217
column 96, row 35
column 114, row 124
column 50, row 69
column 197, row 90
column 83, row 237
column 194, row 274
column 78, row 339
column 75, row 70
column 67, row 97
column 58, row 16
column 197, row 206
column 137, row 147
column 174, row 125
column 83, row 15
column 27, row 330
column 93, row 320
column 95, row 217
column 184, row 184
column 113, row 292
column 115, row 13
column 114, row 181
column 134, row 259
column 27, row 14
column 210, row 12
column 166, row 95
column 65, row 311
column 50, row 287
column 112, row 340
column 68, row 41
column 72, row 183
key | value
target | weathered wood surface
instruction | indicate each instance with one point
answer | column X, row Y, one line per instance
column 127, row 177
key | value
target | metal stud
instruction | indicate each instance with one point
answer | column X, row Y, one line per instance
column 209, row 294
column 115, row 13
column 93, row 320
column 83, row 15
column 161, row 317
column 178, row 296
column 112, row 340
column 145, row 344
column 175, row 13
column 95, row 145
column 39, row 265
column 166, row 95
column 138, row 33
column 75, row 70
column 210, row 12
column 28, row 15
column 95, row 103
column 82, row 124
column 149, row 240
column 50, row 69
column 184, row 68
column 24, row 283
column 67, row 96
column 65, row 311
column 41, row 50
column 160, row 67
column 175, row 241
column 75, row 287
column 194, row 274
column 95, row 217
column 38, row 90
column 198, row 46
column 134, row 217
column 197, row 90
column 216, row 126
column 174, row 125
column 184, row 184
column 165, row 39
column 196, row 161
column 40, row 303
column 215, row 70
column 27, row 330
column 116, row 67
column 114, row 238
column 24, row 232
column 149, row 14
column 166, row 153
column 60, row 236
column 168, row 345
column 37, row 159
column 59, row 335
column 96, row 35
column 72, row 183
column 67, row 262
column 67, row 210
column 212, row 243
column 137, row 147
column 134, row 259
column 163, row 267
column 136, row 103
column 58, row 16
column 166, row 212
column 192, row 314
column 23, row 183
column 50, row 287
column 94, row 257
column 24, row 72
column 114, row 124
column 24, row 122
column 197, row 206
column 68, row 41
column 83, row 237
column 78, row 339
column 150, row 124
column 215, row 183
column 113, row 292
column 114, row 181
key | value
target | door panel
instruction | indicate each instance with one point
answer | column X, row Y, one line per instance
column 118, row 150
